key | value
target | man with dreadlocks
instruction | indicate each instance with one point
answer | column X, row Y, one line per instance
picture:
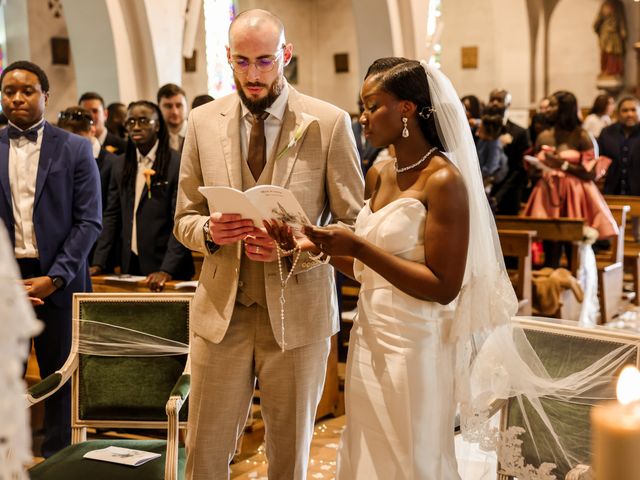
column 141, row 203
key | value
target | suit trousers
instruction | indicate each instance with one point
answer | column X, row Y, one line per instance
column 52, row 348
column 222, row 382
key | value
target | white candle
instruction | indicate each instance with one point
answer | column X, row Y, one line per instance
column 615, row 432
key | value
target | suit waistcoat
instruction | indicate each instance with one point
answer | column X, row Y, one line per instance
column 251, row 287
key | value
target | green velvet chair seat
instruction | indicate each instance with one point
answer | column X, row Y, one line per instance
column 563, row 353
column 122, row 378
column 69, row 463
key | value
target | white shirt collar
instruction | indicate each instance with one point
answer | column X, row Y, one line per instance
column 183, row 129
column 149, row 157
column 102, row 137
column 95, row 145
column 36, row 125
column 277, row 108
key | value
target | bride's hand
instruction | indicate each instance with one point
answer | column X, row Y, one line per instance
column 282, row 235
column 334, row 240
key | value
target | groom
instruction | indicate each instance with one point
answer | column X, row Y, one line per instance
column 267, row 133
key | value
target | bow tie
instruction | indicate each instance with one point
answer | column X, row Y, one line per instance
column 31, row 134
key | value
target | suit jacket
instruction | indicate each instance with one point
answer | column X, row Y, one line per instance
column 612, row 142
column 105, row 162
column 508, row 194
column 114, row 144
column 158, row 249
column 322, row 171
column 67, row 208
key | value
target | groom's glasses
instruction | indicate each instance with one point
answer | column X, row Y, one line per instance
column 262, row 64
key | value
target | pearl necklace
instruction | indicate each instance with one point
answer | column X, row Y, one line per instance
column 413, row 165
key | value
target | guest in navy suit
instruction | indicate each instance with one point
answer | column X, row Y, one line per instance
column 141, row 203
column 50, row 204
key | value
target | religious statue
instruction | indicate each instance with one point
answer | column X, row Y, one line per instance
column 611, row 27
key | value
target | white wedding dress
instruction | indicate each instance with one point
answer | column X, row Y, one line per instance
column 399, row 393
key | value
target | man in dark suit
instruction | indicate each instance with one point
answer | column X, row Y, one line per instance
column 141, row 203
column 50, row 204
column 509, row 193
column 621, row 143
column 94, row 102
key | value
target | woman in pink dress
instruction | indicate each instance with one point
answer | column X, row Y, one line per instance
column 566, row 187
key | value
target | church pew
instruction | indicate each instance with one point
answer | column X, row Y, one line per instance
column 107, row 284
column 517, row 243
column 556, row 229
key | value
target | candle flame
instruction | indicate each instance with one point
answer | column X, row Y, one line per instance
column 628, row 389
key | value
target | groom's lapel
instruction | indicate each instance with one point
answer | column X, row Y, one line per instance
column 230, row 125
column 294, row 126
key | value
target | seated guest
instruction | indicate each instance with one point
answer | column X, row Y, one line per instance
column 566, row 188
column 493, row 160
column 538, row 125
column 173, row 104
column 201, row 100
column 116, row 114
column 600, row 114
column 510, row 192
column 621, row 143
column 78, row 120
column 93, row 102
column 141, row 203
column 473, row 110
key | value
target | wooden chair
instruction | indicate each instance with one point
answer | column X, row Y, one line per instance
column 563, row 348
column 631, row 237
column 517, row 244
column 611, row 268
column 122, row 390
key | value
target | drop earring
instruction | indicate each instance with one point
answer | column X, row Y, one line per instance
column 405, row 130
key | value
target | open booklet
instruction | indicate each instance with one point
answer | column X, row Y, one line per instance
column 539, row 164
column 124, row 456
column 262, row 202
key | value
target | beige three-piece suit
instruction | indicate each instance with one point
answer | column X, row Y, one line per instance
column 236, row 319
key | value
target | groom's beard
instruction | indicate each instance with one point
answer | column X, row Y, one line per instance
column 260, row 105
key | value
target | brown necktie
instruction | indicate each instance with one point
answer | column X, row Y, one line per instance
column 257, row 156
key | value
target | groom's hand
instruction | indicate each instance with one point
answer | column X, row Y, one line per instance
column 259, row 246
column 228, row 228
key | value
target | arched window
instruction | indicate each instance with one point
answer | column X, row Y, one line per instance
column 434, row 30
column 218, row 15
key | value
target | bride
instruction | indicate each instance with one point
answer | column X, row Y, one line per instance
column 409, row 252
column 433, row 332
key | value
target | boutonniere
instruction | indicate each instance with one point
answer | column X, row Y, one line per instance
column 293, row 142
column 148, row 173
column 110, row 148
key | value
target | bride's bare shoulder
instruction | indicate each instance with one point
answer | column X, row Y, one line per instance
column 444, row 178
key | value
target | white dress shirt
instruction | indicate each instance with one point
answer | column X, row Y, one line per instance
column 175, row 139
column 144, row 162
column 272, row 124
column 103, row 136
column 24, row 158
